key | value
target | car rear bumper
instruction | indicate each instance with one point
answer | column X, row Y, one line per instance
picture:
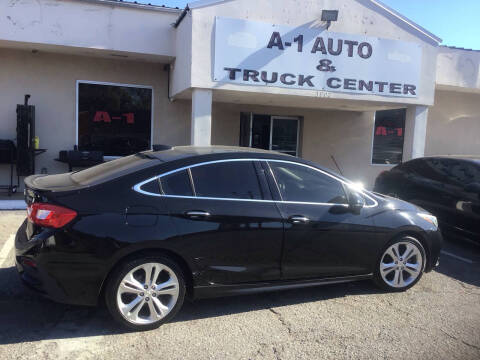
column 42, row 269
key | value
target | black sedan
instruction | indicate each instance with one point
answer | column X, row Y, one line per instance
column 447, row 186
column 145, row 231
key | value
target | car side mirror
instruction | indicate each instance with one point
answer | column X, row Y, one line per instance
column 356, row 202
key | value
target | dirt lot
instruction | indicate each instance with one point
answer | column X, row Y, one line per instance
column 437, row 319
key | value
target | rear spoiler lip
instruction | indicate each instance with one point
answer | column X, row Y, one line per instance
column 29, row 182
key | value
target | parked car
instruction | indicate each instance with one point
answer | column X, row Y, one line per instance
column 447, row 186
column 145, row 231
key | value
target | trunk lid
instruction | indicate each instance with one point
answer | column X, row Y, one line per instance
column 54, row 183
column 92, row 176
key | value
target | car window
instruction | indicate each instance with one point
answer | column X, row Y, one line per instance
column 462, row 172
column 231, row 180
column 177, row 184
column 408, row 166
column 151, row 187
column 429, row 168
column 438, row 169
column 303, row 184
column 417, row 166
column 113, row 169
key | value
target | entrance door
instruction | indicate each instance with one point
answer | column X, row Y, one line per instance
column 284, row 135
column 278, row 133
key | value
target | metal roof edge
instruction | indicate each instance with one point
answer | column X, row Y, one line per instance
column 203, row 3
column 135, row 5
column 459, row 48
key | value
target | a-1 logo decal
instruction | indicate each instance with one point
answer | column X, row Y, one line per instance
column 104, row 116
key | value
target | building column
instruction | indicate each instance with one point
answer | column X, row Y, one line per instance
column 201, row 127
column 415, row 132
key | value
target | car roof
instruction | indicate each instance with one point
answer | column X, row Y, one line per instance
column 219, row 152
column 183, row 152
column 473, row 158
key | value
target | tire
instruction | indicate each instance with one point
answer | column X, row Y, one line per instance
column 139, row 308
column 400, row 274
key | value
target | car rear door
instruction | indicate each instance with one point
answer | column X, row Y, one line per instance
column 323, row 238
column 225, row 217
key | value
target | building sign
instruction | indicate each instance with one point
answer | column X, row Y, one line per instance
column 309, row 57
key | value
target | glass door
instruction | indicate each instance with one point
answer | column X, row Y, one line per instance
column 278, row 133
column 284, row 135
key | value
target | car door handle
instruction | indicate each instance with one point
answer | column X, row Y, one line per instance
column 298, row 219
column 196, row 214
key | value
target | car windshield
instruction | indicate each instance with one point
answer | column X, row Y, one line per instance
column 113, row 169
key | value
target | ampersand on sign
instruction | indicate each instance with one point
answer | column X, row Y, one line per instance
column 326, row 65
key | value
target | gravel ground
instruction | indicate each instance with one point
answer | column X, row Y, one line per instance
column 439, row 318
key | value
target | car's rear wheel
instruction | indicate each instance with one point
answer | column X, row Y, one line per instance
column 144, row 293
column 401, row 264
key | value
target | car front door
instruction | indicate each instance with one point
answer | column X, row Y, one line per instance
column 462, row 191
column 423, row 182
column 225, row 216
column 323, row 237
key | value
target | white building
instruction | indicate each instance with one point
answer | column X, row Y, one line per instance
column 118, row 77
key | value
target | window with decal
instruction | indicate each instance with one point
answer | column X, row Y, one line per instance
column 115, row 119
column 388, row 136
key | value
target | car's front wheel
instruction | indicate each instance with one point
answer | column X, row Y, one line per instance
column 144, row 293
column 401, row 264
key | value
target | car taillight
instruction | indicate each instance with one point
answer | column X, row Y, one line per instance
column 48, row 215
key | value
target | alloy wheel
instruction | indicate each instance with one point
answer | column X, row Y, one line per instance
column 147, row 293
column 401, row 264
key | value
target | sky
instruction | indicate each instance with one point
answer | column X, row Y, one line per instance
column 456, row 22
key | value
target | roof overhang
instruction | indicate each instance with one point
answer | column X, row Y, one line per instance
column 135, row 5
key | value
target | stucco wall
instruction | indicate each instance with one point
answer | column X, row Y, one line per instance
column 51, row 81
column 89, row 25
column 458, row 68
column 344, row 134
column 454, row 124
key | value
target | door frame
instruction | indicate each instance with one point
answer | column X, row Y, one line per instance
column 272, row 119
column 293, row 118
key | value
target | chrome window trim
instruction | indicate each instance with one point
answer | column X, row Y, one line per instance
column 138, row 186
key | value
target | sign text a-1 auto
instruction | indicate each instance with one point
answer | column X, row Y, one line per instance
column 322, row 47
